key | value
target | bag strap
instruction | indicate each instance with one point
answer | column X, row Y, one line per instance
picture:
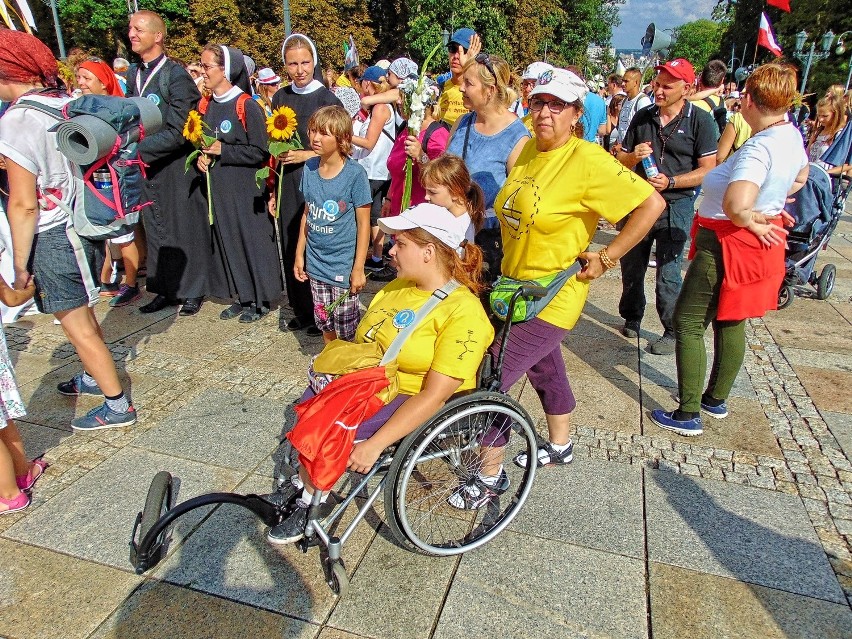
column 437, row 124
column 467, row 135
column 23, row 103
column 436, row 297
column 241, row 107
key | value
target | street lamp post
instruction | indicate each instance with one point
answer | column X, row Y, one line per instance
column 801, row 37
column 840, row 50
column 445, row 37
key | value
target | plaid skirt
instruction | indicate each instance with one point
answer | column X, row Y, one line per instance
column 344, row 319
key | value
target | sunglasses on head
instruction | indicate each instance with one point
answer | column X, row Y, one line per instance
column 485, row 60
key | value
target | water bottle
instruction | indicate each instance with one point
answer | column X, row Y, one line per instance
column 101, row 179
column 650, row 166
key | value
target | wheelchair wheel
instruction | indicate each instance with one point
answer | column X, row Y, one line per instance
column 825, row 283
column 785, row 296
column 157, row 503
column 440, row 459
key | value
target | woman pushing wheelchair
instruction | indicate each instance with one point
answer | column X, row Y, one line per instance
column 439, row 355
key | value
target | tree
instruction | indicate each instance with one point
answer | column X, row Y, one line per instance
column 697, row 41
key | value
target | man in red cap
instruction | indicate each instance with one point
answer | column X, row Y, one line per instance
column 682, row 141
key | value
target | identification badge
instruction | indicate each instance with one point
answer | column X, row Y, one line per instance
column 403, row 318
column 225, row 127
column 153, row 97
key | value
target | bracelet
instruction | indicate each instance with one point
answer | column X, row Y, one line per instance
column 606, row 260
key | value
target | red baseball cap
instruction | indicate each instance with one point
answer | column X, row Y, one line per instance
column 679, row 68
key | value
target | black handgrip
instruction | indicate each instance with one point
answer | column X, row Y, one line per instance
column 535, row 292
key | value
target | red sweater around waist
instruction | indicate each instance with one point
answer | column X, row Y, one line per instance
column 753, row 271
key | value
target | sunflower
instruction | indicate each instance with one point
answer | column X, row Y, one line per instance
column 281, row 124
column 192, row 128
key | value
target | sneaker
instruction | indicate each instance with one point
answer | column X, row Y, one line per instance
column 372, row 265
column 126, row 295
column 313, row 331
column 719, row 412
column 110, row 289
column 474, row 493
column 102, row 417
column 291, row 529
column 663, row 346
column 76, row 386
column 384, row 274
column 665, row 419
column 234, row 310
column 547, row 456
column 631, row 329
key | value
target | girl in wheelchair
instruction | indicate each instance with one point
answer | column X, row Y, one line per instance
column 438, row 359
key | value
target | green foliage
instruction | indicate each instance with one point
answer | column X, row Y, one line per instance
column 697, row 41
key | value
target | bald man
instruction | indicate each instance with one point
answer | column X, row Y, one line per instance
column 176, row 225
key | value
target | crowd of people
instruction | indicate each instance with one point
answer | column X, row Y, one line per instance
column 505, row 176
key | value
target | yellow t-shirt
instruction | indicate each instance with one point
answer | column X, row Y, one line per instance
column 549, row 208
column 450, row 103
column 527, row 120
column 343, row 81
column 451, row 340
column 702, row 103
column 742, row 129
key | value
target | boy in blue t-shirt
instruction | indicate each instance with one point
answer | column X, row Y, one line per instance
column 335, row 232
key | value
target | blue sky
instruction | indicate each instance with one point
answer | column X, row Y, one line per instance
column 636, row 14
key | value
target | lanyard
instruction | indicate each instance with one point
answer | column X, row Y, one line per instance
column 140, row 91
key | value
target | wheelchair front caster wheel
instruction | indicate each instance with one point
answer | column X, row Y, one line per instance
column 338, row 580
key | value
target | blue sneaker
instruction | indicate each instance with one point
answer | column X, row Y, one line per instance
column 76, row 386
column 719, row 412
column 102, row 417
column 665, row 419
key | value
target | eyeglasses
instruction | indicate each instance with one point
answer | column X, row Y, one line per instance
column 485, row 60
column 555, row 106
column 737, row 105
column 207, row 67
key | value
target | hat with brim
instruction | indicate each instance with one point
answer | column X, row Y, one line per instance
column 462, row 37
column 267, row 76
column 678, row 68
column 433, row 219
column 562, row 84
column 374, row 73
column 403, row 68
column 535, row 69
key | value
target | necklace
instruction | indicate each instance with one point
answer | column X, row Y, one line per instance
column 665, row 138
column 769, row 126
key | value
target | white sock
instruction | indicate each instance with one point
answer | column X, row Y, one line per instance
column 308, row 497
column 88, row 380
column 490, row 480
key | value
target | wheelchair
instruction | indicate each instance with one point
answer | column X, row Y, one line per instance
column 416, row 478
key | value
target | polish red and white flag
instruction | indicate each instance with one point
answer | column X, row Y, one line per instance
column 765, row 37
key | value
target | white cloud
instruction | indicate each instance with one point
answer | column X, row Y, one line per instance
column 665, row 14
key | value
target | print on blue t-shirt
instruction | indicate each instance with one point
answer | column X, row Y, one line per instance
column 332, row 230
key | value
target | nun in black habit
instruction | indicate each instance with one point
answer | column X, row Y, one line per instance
column 245, row 256
column 305, row 95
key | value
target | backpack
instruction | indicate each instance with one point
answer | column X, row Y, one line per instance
column 110, row 209
column 719, row 113
column 241, row 107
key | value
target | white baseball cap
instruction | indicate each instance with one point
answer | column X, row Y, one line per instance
column 535, row 69
column 434, row 219
column 561, row 84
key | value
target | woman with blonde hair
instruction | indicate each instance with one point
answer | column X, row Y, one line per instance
column 832, row 118
column 489, row 138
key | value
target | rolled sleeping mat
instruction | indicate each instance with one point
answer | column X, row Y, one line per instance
column 152, row 119
column 85, row 139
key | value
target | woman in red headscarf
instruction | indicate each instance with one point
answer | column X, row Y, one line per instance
column 95, row 77
column 46, row 249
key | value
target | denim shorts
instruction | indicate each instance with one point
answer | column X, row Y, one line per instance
column 64, row 267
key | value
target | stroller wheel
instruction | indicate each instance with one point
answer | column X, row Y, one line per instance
column 785, row 296
column 825, row 284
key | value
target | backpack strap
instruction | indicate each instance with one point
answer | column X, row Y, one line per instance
column 23, row 103
column 241, row 107
column 710, row 104
column 437, row 124
column 470, row 118
column 438, row 296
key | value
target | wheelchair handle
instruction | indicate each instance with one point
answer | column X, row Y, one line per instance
column 530, row 290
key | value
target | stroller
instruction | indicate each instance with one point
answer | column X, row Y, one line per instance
column 817, row 210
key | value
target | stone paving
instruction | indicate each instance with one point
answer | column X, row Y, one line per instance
column 745, row 531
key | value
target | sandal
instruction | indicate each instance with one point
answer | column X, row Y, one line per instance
column 15, row 504
column 547, row 456
column 26, row 482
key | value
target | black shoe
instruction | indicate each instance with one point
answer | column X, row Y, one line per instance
column 385, row 274
column 313, row 331
column 234, row 310
column 298, row 323
column 191, row 306
column 251, row 314
column 291, row 529
column 372, row 265
column 631, row 329
column 157, row 304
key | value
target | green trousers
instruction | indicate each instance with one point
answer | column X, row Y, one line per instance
column 694, row 312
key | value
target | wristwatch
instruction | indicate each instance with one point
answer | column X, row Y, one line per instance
column 423, row 159
column 671, row 182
